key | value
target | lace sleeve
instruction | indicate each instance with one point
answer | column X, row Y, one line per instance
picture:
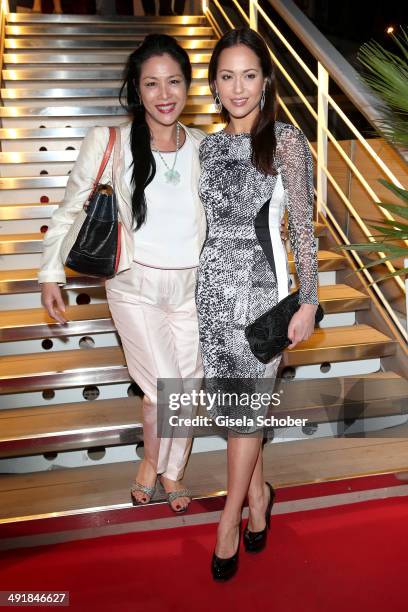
column 297, row 176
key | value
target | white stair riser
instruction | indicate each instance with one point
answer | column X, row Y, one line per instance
column 129, row 452
column 49, row 122
column 33, row 300
column 36, row 83
column 81, row 102
column 23, row 226
column 19, row 261
column 67, row 343
column 21, row 145
column 23, row 170
column 336, row 319
column 31, row 196
column 90, row 121
column 339, row 368
column 62, row 396
column 326, row 278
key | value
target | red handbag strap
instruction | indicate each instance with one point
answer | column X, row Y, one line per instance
column 105, row 158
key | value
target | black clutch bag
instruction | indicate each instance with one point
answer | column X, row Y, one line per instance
column 92, row 245
column 268, row 334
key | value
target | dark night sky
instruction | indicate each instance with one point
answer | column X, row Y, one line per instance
column 349, row 23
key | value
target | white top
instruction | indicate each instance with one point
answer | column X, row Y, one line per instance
column 168, row 238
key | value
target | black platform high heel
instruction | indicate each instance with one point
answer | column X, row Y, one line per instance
column 224, row 569
column 255, row 541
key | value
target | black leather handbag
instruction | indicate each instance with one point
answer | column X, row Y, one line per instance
column 268, row 334
column 92, row 245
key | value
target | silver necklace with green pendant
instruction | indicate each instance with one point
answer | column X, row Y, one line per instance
column 172, row 175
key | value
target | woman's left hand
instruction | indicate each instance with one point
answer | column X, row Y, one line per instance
column 302, row 324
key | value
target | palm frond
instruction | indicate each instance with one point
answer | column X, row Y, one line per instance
column 399, row 191
column 399, row 224
column 377, row 247
column 386, row 73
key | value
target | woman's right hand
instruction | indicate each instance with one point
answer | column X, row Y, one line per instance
column 51, row 299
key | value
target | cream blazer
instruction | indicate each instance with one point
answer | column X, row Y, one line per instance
column 79, row 187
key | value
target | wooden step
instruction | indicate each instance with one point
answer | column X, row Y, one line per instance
column 60, row 59
column 11, row 244
column 38, row 157
column 76, row 368
column 18, row 112
column 342, row 298
column 34, row 182
column 12, row 212
column 60, row 369
column 80, row 93
column 90, row 491
column 32, row 243
column 94, row 44
column 91, row 319
column 69, row 133
column 41, row 429
column 61, row 427
column 344, row 343
column 65, row 133
column 86, row 74
column 25, row 281
column 344, row 399
column 96, row 20
column 35, row 323
column 118, row 30
column 398, row 431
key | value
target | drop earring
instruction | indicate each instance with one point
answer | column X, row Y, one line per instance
column 217, row 102
column 262, row 100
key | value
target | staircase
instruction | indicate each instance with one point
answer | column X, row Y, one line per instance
column 70, row 416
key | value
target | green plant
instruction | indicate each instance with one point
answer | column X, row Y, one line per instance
column 386, row 73
column 391, row 232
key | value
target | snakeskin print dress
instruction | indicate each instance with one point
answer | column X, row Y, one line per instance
column 243, row 269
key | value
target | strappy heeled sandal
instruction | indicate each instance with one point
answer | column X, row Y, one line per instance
column 175, row 495
column 137, row 486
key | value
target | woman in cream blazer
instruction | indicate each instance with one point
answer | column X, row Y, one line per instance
column 151, row 297
column 79, row 187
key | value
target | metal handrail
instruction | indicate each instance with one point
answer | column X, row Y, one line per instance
column 330, row 63
column 341, row 71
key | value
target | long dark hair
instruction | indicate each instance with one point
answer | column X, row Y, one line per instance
column 144, row 166
column 263, row 131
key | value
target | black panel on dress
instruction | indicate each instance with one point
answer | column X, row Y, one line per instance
column 263, row 234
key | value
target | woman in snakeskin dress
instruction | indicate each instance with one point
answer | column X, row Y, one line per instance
column 250, row 173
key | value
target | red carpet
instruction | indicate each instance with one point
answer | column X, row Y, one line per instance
column 350, row 558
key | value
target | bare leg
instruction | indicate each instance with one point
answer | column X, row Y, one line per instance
column 57, row 7
column 147, row 471
column 242, row 456
column 36, row 6
column 258, row 497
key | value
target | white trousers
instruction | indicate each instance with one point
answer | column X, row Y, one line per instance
column 154, row 312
